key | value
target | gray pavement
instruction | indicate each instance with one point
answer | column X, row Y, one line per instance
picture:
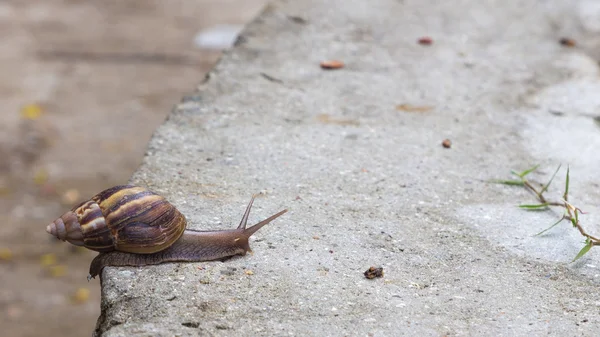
column 368, row 184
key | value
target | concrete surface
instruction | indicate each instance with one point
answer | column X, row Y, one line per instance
column 103, row 75
column 369, row 184
column 96, row 70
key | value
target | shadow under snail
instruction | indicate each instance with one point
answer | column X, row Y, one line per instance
column 133, row 226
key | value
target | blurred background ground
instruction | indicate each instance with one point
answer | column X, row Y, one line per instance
column 84, row 84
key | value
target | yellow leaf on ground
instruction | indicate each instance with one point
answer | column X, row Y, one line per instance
column 31, row 111
column 81, row 295
column 40, row 177
column 5, row 254
column 58, row 270
column 48, row 260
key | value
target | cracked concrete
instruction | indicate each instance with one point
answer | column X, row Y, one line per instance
column 355, row 154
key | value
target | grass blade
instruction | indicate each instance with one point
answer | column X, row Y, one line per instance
column 583, row 250
column 507, row 182
column 526, row 172
column 537, row 206
column 548, row 184
column 549, row 228
column 566, row 195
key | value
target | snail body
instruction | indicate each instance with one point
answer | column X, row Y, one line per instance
column 133, row 226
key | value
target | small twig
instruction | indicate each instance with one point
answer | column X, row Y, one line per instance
column 539, row 195
column 271, row 78
column 576, row 224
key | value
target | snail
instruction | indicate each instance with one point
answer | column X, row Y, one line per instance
column 133, row 226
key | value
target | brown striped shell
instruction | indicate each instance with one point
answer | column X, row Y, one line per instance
column 124, row 218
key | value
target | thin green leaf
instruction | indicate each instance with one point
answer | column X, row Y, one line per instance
column 566, row 195
column 549, row 228
column 548, row 184
column 537, row 206
column 583, row 250
column 574, row 222
column 507, row 182
column 526, row 172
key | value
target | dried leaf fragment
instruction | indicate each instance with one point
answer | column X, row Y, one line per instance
column 332, row 64
column 326, row 119
column 298, row 19
column 413, row 108
column 425, row 40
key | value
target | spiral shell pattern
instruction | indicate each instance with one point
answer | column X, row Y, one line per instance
column 124, row 218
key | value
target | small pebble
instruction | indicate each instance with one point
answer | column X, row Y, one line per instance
column 567, row 42
column 373, row 272
column 228, row 271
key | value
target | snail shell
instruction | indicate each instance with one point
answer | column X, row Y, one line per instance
column 123, row 218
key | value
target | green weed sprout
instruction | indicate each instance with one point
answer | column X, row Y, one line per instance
column 571, row 213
